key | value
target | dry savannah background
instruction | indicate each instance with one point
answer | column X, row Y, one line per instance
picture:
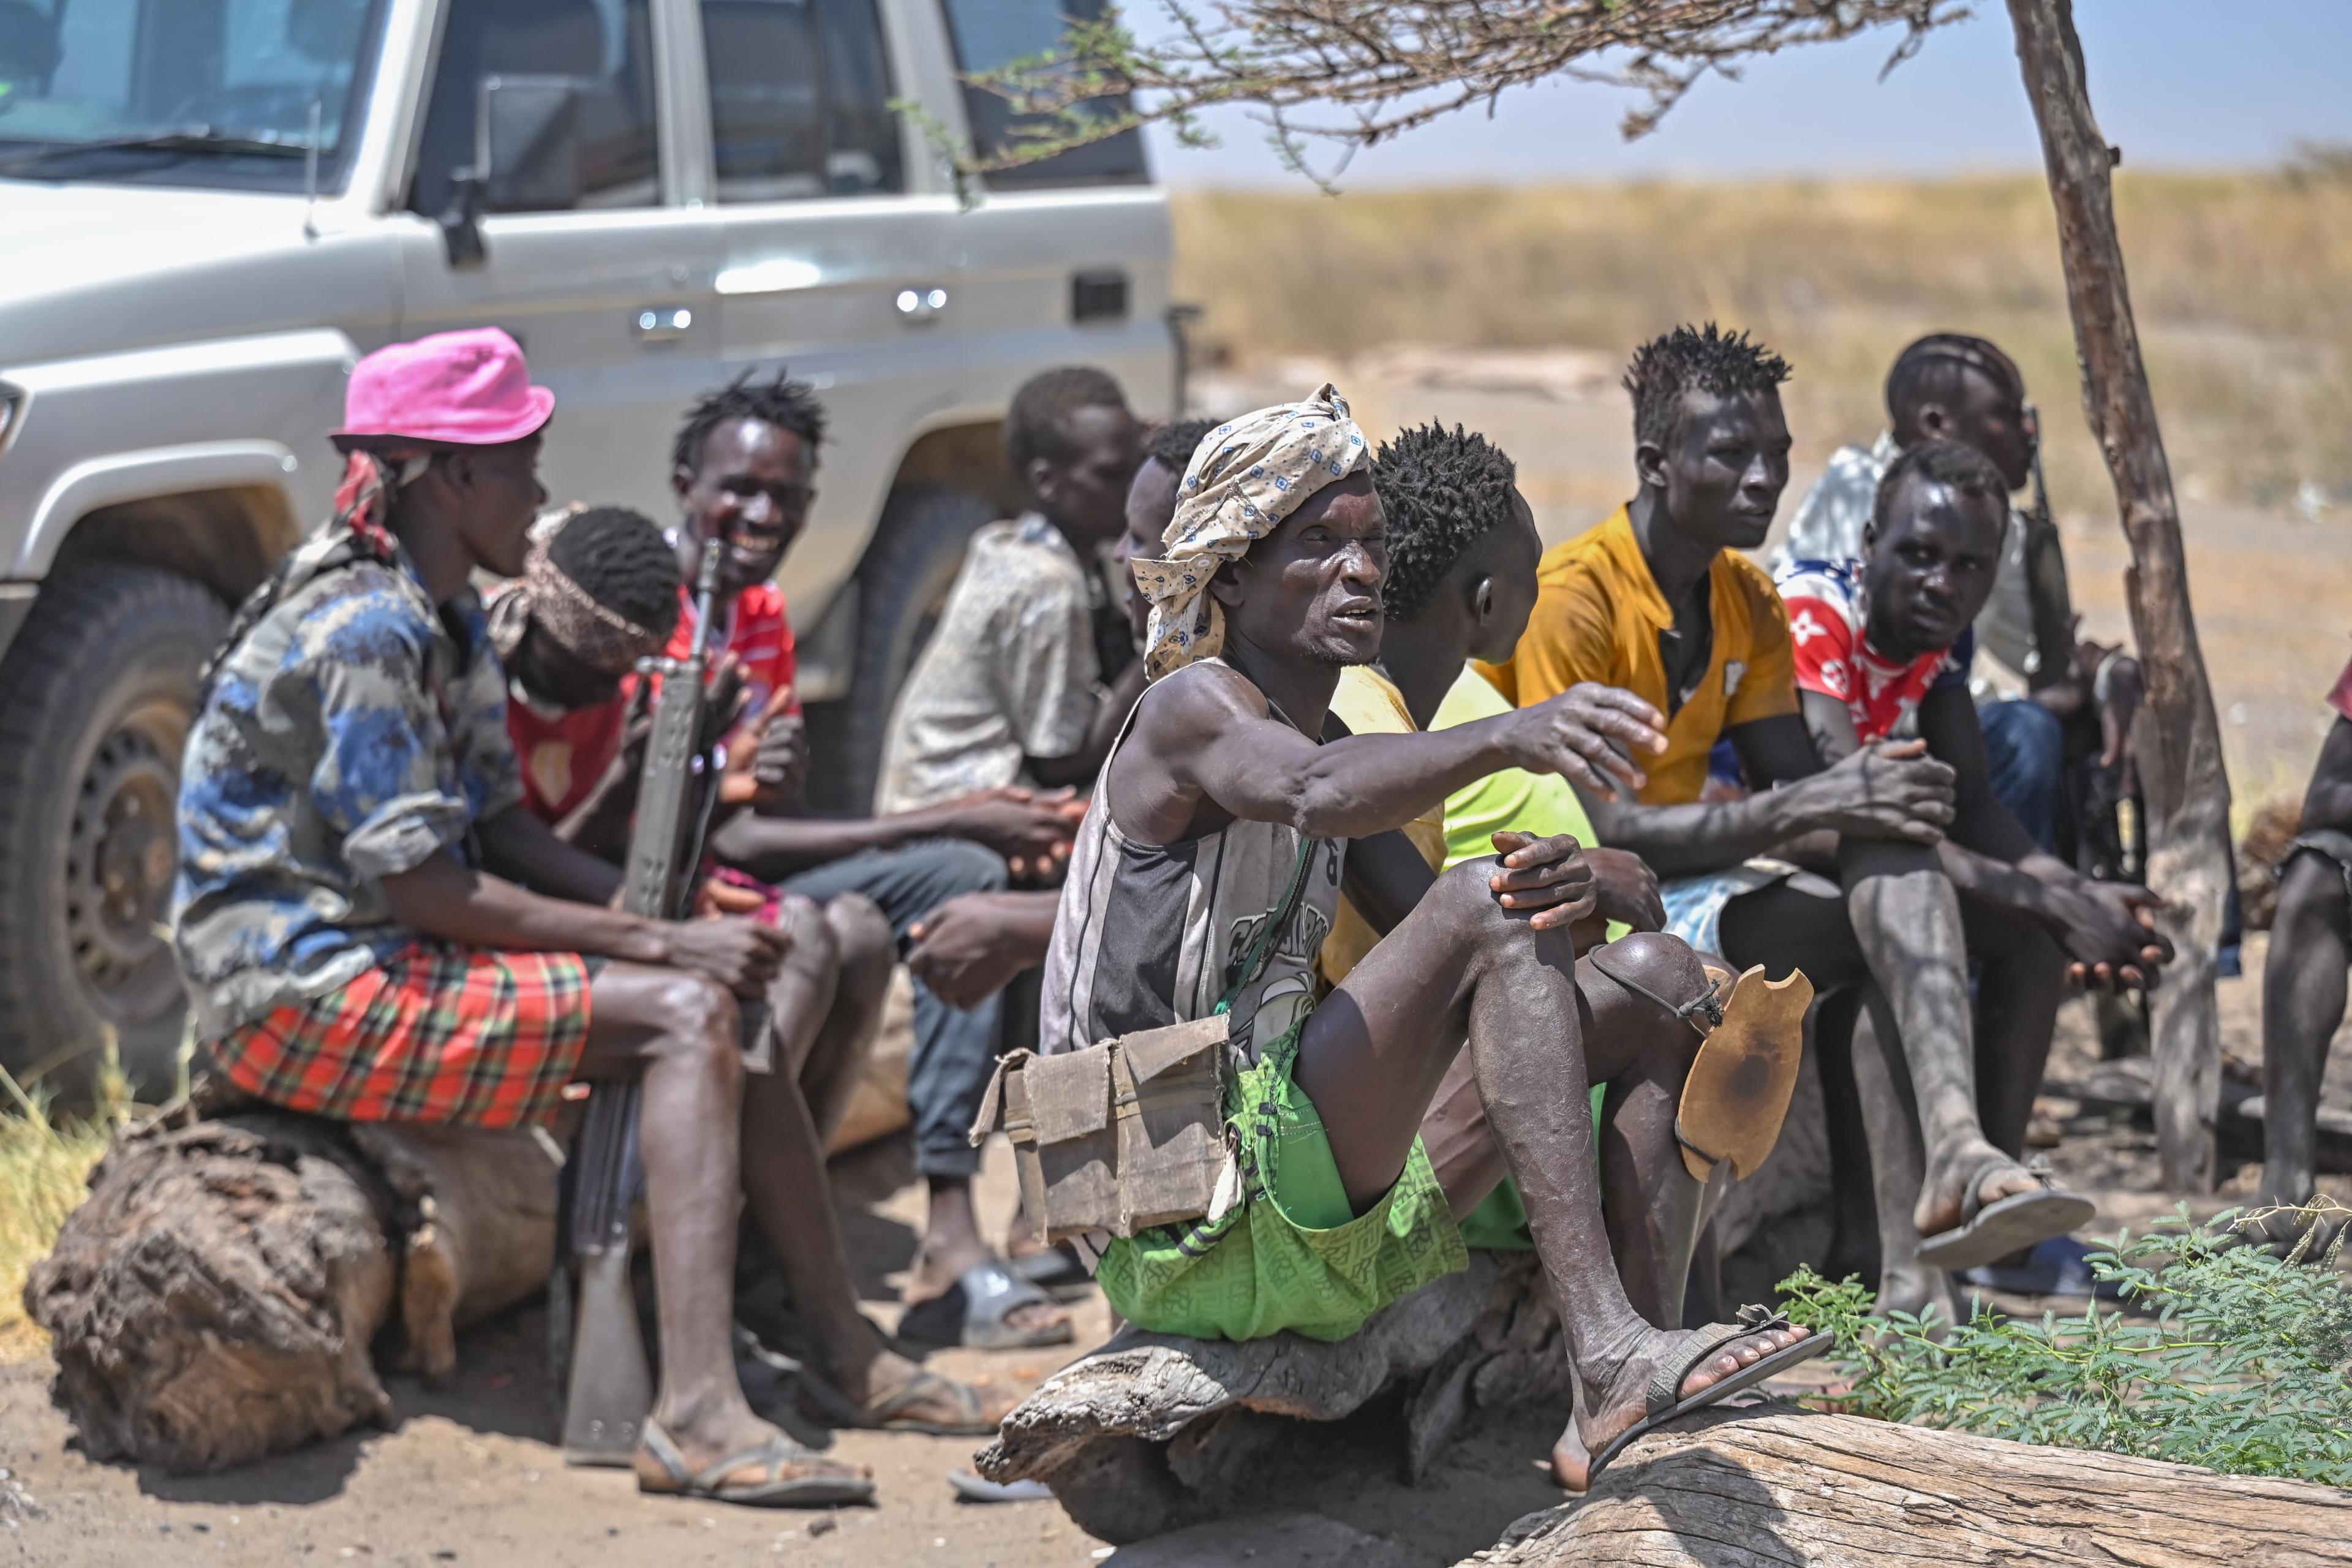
column 1509, row 310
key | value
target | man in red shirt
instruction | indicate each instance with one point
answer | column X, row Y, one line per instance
column 1883, row 642
column 744, row 472
column 600, row 591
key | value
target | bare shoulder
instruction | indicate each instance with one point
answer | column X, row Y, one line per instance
column 1193, row 705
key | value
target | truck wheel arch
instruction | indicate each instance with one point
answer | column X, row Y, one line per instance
column 220, row 514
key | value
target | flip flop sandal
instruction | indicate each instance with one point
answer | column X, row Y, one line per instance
column 1737, row 1093
column 971, row 1312
column 833, row 1484
column 1989, row 1232
column 926, row 1388
column 1664, row 1402
column 969, row 1487
column 1051, row 1269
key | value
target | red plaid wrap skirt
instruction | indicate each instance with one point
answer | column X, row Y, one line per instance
column 449, row 1035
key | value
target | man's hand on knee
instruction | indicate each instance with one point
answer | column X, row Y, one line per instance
column 1547, row 879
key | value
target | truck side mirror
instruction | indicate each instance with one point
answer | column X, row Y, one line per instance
column 526, row 158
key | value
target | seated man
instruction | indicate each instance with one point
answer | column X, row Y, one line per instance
column 745, row 464
column 353, row 917
column 1009, row 691
column 1659, row 600
column 1206, row 874
column 599, row 592
column 1889, row 638
column 2302, row 979
column 2031, row 677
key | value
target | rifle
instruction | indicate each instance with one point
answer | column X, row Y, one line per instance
column 600, row 1352
column 2045, row 580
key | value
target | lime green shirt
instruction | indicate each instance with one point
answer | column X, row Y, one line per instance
column 1541, row 804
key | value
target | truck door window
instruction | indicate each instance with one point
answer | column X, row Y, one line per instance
column 604, row 45
column 992, row 34
column 214, row 92
column 800, row 99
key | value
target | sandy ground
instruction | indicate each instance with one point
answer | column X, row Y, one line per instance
column 466, row 1475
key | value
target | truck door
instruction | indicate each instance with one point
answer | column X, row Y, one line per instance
column 833, row 255
column 608, row 287
column 1067, row 258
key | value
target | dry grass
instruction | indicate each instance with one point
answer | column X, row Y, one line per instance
column 2243, row 284
column 45, row 1160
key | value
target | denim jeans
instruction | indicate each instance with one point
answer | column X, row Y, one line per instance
column 955, row 1049
column 2026, row 746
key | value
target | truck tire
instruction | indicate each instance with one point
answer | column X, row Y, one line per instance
column 902, row 585
column 97, row 696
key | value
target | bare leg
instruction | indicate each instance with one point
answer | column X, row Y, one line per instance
column 1783, row 928
column 1897, row 1160
column 2302, row 1006
column 835, row 1060
column 1907, row 921
column 1460, row 969
column 677, row 1034
column 2022, row 985
column 802, row 993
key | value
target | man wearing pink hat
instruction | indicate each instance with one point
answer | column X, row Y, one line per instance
column 373, row 930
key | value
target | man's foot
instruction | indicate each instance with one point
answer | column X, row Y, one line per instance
column 1944, row 1194
column 1977, row 1204
column 902, row 1396
column 1011, row 1313
column 1610, row 1400
column 737, row 1457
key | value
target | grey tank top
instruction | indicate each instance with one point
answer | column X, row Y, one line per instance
column 1150, row 934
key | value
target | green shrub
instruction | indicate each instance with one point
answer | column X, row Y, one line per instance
column 2243, row 1362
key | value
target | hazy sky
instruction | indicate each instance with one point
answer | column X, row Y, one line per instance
column 2176, row 83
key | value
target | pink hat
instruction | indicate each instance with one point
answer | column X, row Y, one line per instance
column 467, row 389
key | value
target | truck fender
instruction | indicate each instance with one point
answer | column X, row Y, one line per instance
column 121, row 477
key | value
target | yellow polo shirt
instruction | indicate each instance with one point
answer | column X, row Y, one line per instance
column 1597, row 617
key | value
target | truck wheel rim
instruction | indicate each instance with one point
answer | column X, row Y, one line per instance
column 121, row 855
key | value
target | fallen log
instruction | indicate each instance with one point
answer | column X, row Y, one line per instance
column 1155, row 1432
column 1769, row 1488
column 217, row 1297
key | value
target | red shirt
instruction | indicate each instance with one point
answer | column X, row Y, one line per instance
column 564, row 752
column 761, row 640
column 1835, row 656
column 2339, row 696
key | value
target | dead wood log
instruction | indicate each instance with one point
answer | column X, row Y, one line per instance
column 2178, row 738
column 1765, row 1490
column 216, row 1296
column 1154, row 1432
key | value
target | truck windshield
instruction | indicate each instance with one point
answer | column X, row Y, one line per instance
column 185, row 92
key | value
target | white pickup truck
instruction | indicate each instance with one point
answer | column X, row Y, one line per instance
column 210, row 208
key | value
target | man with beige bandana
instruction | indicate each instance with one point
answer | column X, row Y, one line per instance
column 1234, row 805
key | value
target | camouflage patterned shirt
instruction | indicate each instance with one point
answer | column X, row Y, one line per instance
column 353, row 733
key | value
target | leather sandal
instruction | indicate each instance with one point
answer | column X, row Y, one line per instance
column 1663, row 1401
column 789, row 1474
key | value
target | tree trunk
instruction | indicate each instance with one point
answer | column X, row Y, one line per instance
column 1769, row 1489
column 1154, row 1432
column 2178, row 737
column 215, row 1299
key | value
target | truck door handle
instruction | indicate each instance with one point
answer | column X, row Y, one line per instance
column 917, row 305
column 662, row 323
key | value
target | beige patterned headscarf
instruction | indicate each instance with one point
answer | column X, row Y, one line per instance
column 1245, row 479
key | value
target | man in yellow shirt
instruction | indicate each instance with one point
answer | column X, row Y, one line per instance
column 1659, row 600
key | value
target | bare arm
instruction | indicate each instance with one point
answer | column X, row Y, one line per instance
column 1879, row 791
column 1207, row 736
column 2100, row 924
column 521, row 848
column 458, row 904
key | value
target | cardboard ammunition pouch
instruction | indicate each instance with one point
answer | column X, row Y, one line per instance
column 1129, row 1133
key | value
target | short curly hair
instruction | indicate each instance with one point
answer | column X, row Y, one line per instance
column 1934, row 368
column 619, row 559
column 1695, row 359
column 1173, row 444
column 1036, row 425
column 1953, row 464
column 784, row 403
column 1443, row 491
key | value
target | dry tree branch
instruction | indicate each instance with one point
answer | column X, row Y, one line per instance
column 1394, row 65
